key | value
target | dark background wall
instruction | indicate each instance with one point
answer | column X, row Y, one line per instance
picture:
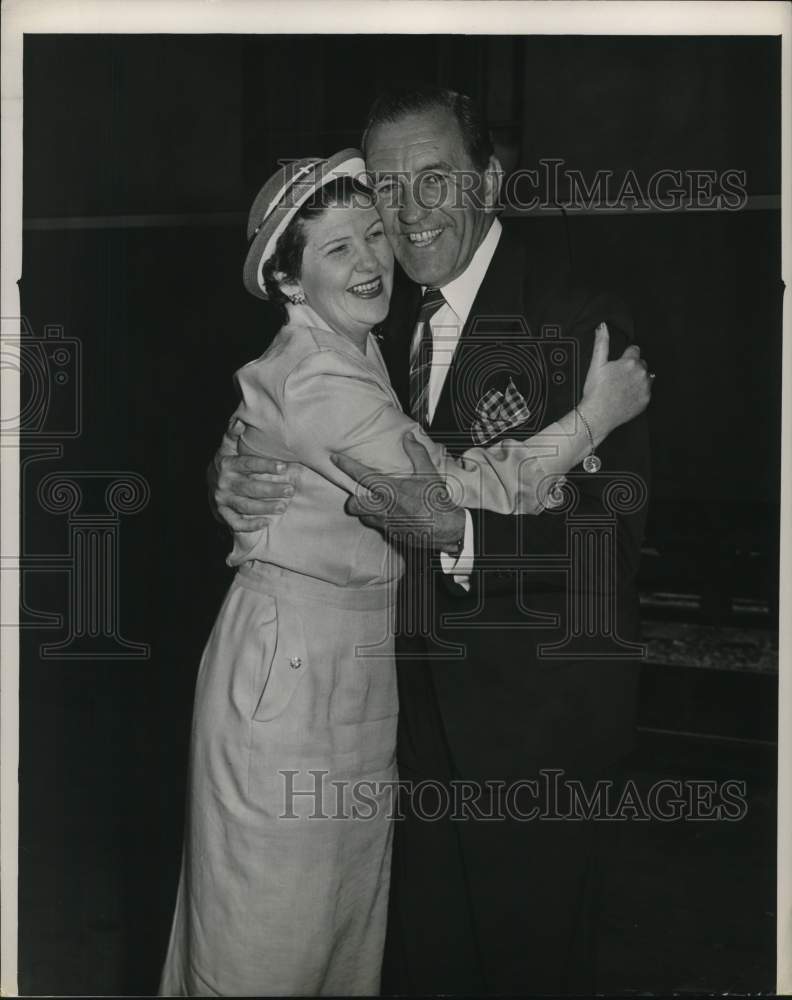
column 141, row 157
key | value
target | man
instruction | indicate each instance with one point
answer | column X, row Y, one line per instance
column 496, row 693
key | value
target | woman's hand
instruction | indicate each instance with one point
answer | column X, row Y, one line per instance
column 614, row 391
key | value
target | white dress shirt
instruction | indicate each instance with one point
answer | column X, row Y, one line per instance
column 447, row 325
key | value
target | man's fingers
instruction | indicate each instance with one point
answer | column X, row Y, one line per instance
column 248, row 487
column 357, row 507
column 365, row 501
column 371, row 521
column 258, row 488
column 235, row 428
column 362, row 506
column 254, row 464
column 251, row 475
column 601, row 346
column 633, row 351
column 354, row 469
column 418, row 454
column 354, row 506
column 228, row 446
column 239, row 522
column 257, row 507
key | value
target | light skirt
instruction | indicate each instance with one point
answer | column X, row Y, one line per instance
column 286, row 862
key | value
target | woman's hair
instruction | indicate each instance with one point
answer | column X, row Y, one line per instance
column 287, row 259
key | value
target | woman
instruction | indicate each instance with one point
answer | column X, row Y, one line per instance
column 287, row 849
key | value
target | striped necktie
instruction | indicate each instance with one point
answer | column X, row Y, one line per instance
column 421, row 356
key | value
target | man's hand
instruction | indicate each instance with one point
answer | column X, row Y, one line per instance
column 245, row 491
column 415, row 508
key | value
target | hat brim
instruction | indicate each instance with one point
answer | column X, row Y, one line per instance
column 345, row 163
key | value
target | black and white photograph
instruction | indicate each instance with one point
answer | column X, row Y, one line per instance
column 393, row 543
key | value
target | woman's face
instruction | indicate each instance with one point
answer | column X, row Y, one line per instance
column 347, row 268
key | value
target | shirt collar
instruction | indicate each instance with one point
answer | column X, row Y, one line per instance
column 461, row 293
column 301, row 314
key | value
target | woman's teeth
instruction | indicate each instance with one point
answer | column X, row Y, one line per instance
column 368, row 289
column 423, row 239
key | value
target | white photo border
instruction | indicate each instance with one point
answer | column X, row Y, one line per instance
column 545, row 17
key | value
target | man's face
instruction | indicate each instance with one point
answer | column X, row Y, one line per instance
column 435, row 206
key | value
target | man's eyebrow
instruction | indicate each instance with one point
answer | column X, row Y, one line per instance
column 386, row 175
column 438, row 165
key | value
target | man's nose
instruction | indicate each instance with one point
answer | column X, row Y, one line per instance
column 410, row 208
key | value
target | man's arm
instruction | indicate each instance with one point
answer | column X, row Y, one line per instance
column 500, row 540
column 245, row 491
column 513, row 475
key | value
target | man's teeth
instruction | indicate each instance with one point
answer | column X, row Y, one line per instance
column 367, row 288
column 424, row 238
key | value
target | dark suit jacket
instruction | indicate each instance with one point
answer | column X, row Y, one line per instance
column 506, row 707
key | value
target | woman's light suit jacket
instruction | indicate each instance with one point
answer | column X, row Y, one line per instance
column 313, row 393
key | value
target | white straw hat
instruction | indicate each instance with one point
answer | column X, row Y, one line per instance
column 281, row 198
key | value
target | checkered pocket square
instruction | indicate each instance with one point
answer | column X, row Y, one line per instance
column 497, row 412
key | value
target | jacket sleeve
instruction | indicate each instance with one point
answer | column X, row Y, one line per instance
column 625, row 459
column 332, row 405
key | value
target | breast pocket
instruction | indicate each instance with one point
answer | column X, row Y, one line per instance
column 284, row 661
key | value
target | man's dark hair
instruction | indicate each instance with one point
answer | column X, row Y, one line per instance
column 395, row 104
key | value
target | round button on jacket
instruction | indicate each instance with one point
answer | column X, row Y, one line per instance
column 295, row 662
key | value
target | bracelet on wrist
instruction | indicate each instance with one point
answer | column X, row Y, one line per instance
column 591, row 463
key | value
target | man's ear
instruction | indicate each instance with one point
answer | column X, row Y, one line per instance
column 493, row 180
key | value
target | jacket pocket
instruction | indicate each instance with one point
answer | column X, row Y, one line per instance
column 284, row 661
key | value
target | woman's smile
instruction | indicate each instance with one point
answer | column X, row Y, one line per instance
column 367, row 289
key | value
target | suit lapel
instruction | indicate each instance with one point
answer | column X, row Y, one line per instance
column 504, row 295
column 396, row 334
column 496, row 311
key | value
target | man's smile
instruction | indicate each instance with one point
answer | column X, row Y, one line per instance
column 425, row 238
